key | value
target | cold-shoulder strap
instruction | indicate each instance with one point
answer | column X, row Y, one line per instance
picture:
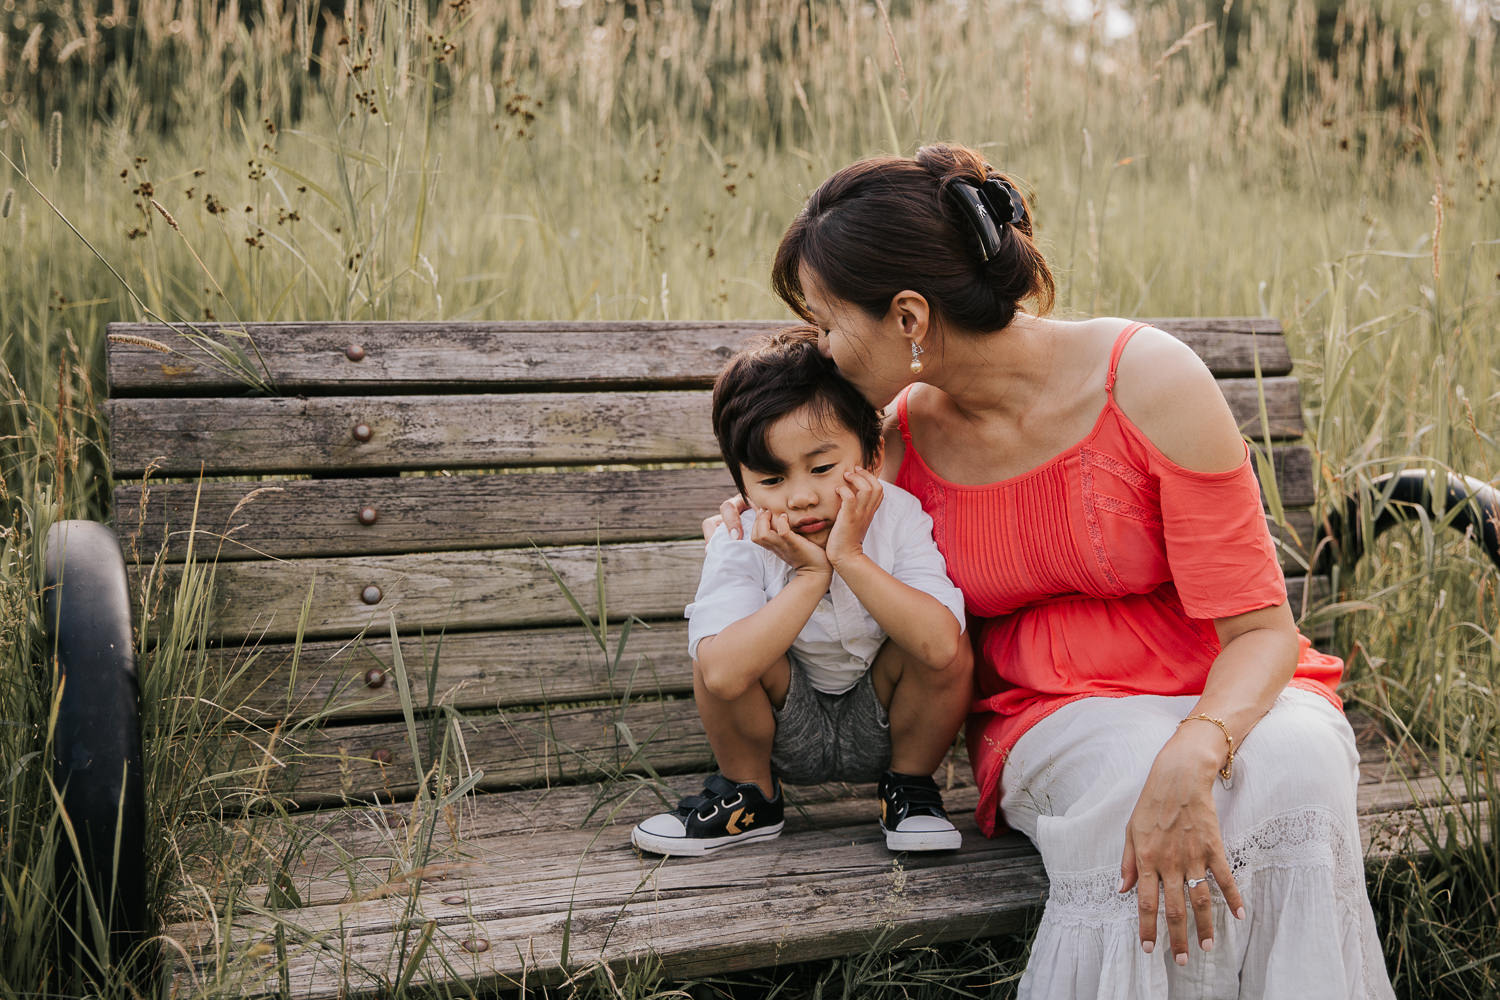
column 1114, row 360
column 901, row 420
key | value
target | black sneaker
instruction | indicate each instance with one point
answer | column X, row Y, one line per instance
column 722, row 815
column 911, row 814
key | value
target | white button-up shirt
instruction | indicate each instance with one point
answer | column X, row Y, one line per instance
column 838, row 642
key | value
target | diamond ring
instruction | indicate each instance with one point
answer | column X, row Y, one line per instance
column 1195, row 882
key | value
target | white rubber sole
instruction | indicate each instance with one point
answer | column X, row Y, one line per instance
column 926, row 840
column 686, row 847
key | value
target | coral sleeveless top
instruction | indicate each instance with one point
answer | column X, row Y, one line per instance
column 1098, row 574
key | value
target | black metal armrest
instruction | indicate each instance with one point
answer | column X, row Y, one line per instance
column 96, row 748
column 1469, row 505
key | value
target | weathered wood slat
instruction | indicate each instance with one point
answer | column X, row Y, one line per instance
column 474, row 671
column 321, row 517
column 293, row 435
column 153, row 359
column 432, row 592
column 181, row 437
column 301, row 357
column 335, row 765
column 1292, row 465
column 1283, row 402
column 455, row 591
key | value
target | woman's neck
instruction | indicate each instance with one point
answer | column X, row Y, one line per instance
column 1000, row 374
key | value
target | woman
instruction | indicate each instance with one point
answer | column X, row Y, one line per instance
column 1146, row 711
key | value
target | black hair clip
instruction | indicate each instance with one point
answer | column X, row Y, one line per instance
column 989, row 206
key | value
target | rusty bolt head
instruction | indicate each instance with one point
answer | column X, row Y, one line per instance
column 454, row 900
column 368, row 516
column 362, row 433
column 355, row 352
column 475, row 945
column 381, row 756
column 374, row 678
column 370, row 595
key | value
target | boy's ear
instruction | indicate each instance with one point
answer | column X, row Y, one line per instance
column 878, row 459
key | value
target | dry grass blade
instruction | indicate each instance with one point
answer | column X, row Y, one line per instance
column 1177, row 46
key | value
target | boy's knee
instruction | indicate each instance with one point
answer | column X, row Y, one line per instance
column 729, row 685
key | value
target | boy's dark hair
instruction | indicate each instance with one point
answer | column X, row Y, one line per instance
column 777, row 375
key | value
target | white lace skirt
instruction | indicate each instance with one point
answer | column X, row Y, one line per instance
column 1290, row 830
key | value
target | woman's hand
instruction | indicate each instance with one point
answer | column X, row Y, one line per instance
column 729, row 515
column 775, row 533
column 858, row 503
column 1173, row 837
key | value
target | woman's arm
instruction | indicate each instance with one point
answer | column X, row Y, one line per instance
column 1173, row 834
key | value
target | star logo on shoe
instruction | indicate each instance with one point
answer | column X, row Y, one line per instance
column 734, row 825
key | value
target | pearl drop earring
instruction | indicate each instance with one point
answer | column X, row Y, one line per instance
column 916, row 362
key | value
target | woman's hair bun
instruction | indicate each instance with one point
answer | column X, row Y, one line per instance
column 888, row 224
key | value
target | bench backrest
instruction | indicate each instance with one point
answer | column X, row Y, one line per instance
column 440, row 474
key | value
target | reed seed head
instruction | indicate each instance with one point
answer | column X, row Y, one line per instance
column 54, row 142
column 165, row 214
column 6, row 202
column 130, row 338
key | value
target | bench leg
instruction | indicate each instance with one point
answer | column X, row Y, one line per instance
column 96, row 752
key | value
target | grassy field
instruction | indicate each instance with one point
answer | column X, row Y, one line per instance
column 602, row 159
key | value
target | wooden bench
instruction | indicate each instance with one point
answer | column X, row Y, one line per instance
column 435, row 763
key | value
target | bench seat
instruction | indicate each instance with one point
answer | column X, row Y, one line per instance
column 532, row 886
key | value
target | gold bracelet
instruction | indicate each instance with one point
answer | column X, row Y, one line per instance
column 1227, row 771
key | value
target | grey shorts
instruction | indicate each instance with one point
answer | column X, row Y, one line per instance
column 830, row 737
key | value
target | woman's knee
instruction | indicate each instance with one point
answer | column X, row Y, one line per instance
column 1303, row 751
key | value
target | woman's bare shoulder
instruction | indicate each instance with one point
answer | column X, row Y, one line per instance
column 1169, row 393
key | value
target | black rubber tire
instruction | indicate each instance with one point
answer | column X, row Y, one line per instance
column 96, row 748
column 1469, row 504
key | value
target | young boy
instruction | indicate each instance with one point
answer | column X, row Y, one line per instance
column 827, row 643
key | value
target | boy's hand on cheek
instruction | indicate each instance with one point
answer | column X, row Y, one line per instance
column 859, row 501
column 775, row 533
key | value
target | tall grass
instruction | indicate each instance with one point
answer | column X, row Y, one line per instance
column 1331, row 166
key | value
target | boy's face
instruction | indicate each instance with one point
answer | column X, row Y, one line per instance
column 816, row 454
